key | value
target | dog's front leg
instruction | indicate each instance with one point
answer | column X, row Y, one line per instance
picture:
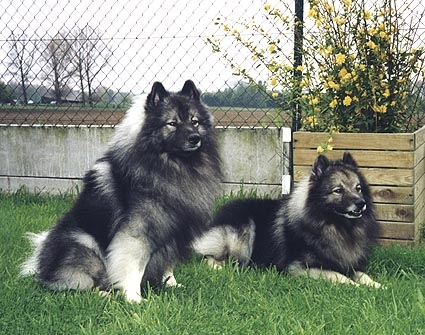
column 332, row 276
column 127, row 258
column 363, row 279
column 317, row 273
column 169, row 280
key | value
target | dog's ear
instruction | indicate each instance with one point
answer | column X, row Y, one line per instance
column 319, row 166
column 189, row 89
column 348, row 159
column 157, row 94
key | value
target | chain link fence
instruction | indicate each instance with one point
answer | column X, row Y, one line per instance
column 82, row 63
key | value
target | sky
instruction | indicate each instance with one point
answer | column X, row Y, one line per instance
column 149, row 40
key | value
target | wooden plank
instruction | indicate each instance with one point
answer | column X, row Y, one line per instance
column 402, row 243
column 373, row 158
column 395, row 212
column 365, row 141
column 375, row 176
column 419, row 136
column 403, row 231
column 419, row 154
column 419, row 205
column 419, row 169
column 420, row 221
column 396, row 177
column 392, row 194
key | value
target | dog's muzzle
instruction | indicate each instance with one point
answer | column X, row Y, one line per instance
column 193, row 143
column 356, row 213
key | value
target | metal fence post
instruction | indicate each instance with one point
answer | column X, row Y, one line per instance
column 287, row 160
column 298, row 60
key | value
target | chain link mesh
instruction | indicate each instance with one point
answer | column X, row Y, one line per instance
column 82, row 63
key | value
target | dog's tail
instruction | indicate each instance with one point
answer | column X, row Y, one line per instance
column 31, row 265
column 225, row 241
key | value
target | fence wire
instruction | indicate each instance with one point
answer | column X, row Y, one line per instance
column 82, row 63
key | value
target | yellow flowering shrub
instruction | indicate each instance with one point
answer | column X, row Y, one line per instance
column 367, row 71
column 362, row 70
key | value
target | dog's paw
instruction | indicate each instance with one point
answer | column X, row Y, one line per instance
column 377, row 285
column 172, row 282
column 104, row 294
column 133, row 297
column 169, row 280
column 363, row 279
column 214, row 264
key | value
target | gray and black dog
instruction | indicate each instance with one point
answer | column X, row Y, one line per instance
column 326, row 228
column 143, row 203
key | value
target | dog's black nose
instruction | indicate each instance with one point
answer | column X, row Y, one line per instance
column 194, row 138
column 360, row 203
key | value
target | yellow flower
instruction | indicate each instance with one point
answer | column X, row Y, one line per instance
column 367, row 15
column 347, row 3
column 344, row 75
column 342, row 72
column 383, row 34
column 273, row 81
column 311, row 121
column 328, row 7
column 267, row 7
column 340, row 58
column 339, row 20
column 300, row 68
column 386, row 93
column 313, row 100
column 333, row 103
column 226, row 27
column 347, row 101
column 320, row 149
column 272, row 48
column 329, row 50
column 275, row 95
column 329, row 147
column 312, row 13
column 333, row 85
column 305, row 82
column 371, row 45
column 380, row 109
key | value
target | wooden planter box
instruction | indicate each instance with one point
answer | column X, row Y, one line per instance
column 393, row 164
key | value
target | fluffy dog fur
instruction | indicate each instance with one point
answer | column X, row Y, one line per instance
column 325, row 228
column 142, row 204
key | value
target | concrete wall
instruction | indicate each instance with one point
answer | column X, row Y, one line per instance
column 54, row 159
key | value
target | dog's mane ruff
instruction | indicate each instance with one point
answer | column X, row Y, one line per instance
column 129, row 128
column 298, row 200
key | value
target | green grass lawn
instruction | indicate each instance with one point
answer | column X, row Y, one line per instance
column 231, row 301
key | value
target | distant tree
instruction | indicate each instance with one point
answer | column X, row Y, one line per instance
column 246, row 95
column 21, row 60
column 6, row 94
column 59, row 67
column 90, row 54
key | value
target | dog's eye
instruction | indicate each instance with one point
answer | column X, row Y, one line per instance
column 195, row 122
column 358, row 188
column 338, row 190
column 172, row 123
